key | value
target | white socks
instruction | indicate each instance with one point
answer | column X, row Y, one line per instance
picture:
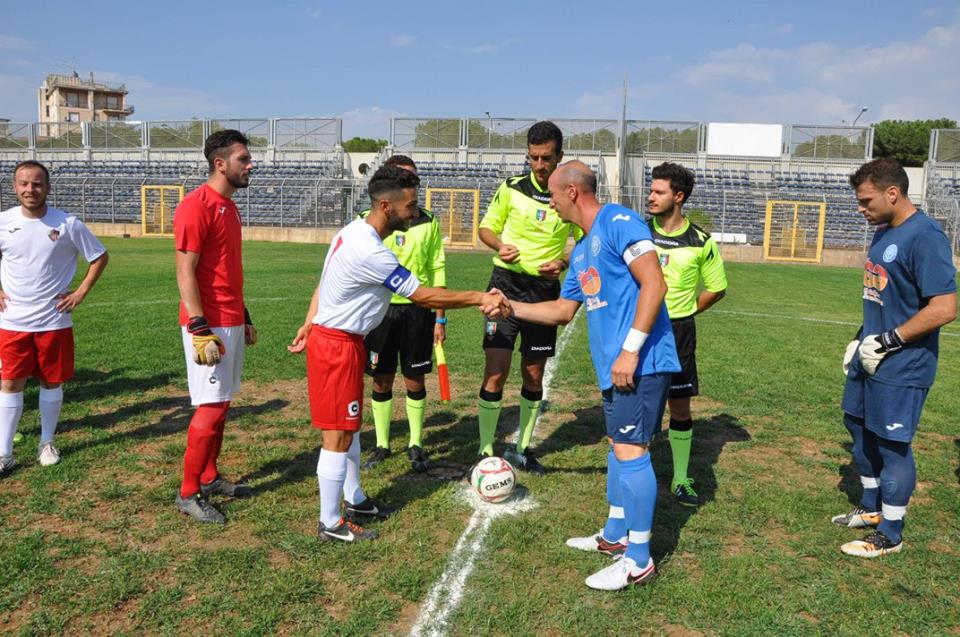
column 331, row 472
column 11, row 407
column 51, row 400
column 352, row 492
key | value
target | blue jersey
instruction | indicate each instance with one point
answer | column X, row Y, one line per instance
column 906, row 265
column 600, row 279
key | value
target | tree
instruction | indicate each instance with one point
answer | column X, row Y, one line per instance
column 364, row 145
column 832, row 147
column 907, row 141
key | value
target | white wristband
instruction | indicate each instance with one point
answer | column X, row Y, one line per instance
column 634, row 341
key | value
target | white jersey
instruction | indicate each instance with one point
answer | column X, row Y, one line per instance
column 359, row 276
column 38, row 258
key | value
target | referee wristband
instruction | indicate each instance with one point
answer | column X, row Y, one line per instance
column 634, row 341
column 442, row 320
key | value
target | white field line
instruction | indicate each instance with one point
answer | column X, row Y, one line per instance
column 445, row 595
column 548, row 373
column 173, row 302
column 808, row 319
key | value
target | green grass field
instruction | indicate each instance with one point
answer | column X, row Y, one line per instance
column 95, row 546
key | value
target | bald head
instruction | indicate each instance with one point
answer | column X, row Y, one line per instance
column 575, row 173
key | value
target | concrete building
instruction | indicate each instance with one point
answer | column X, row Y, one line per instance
column 68, row 98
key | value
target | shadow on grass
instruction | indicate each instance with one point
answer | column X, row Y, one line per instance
column 849, row 482
column 709, row 438
column 174, row 422
column 957, row 472
column 92, row 384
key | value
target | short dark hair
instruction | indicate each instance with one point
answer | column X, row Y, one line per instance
column 390, row 179
column 543, row 132
column 883, row 173
column 218, row 143
column 680, row 177
column 400, row 160
column 32, row 163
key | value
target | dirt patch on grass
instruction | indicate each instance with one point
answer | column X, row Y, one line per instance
column 676, row 630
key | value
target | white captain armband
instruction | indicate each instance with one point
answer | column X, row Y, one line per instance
column 637, row 249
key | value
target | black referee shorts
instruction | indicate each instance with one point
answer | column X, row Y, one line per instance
column 685, row 383
column 536, row 341
column 406, row 332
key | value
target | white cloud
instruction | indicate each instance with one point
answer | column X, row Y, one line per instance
column 482, row 48
column 370, row 121
column 164, row 101
column 819, row 83
column 18, row 97
column 13, row 43
column 402, row 40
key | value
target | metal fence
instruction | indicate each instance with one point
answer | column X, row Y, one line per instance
column 310, row 133
column 279, row 202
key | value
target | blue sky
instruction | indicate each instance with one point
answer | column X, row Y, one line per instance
column 765, row 62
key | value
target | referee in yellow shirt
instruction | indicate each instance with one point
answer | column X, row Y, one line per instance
column 530, row 244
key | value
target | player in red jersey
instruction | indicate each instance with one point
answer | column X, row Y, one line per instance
column 39, row 245
column 215, row 324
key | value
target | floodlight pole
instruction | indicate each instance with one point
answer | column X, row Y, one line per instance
column 862, row 111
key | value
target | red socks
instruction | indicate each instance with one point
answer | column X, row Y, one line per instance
column 204, row 438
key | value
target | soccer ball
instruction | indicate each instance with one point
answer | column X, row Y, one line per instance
column 493, row 479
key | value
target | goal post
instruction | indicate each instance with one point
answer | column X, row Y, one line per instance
column 793, row 231
column 458, row 211
column 157, row 204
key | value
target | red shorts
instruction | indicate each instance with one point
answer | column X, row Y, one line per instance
column 46, row 355
column 335, row 364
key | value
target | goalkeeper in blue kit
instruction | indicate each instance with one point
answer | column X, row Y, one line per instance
column 909, row 293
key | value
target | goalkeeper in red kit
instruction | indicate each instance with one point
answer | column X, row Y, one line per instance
column 214, row 321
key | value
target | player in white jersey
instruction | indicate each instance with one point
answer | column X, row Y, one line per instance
column 359, row 277
column 39, row 246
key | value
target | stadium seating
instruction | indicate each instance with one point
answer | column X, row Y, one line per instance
column 734, row 199
column 289, row 193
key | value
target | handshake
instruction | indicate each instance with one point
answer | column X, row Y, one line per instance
column 495, row 304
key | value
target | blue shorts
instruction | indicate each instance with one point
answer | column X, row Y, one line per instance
column 634, row 417
column 888, row 411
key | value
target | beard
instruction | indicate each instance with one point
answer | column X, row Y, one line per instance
column 396, row 223
column 238, row 181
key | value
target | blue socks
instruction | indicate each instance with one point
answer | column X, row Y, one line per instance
column 638, row 484
column 898, row 478
column 615, row 530
column 866, row 456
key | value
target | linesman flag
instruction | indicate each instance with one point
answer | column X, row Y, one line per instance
column 443, row 373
